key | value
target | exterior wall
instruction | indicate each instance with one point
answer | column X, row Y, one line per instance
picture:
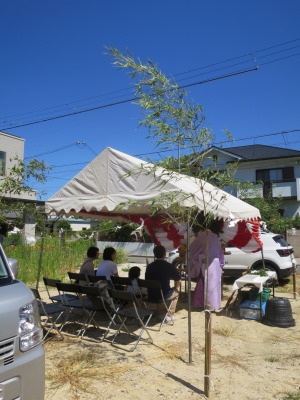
column 289, row 191
column 77, row 225
column 223, row 159
column 13, row 146
column 134, row 250
column 293, row 238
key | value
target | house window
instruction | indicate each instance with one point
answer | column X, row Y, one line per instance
column 215, row 157
column 2, row 163
column 275, row 174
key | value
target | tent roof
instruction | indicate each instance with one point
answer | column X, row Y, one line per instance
column 116, row 182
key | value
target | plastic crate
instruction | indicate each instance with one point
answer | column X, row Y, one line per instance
column 250, row 309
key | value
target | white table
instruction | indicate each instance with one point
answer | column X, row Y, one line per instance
column 255, row 280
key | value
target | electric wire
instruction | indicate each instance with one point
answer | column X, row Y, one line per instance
column 15, row 126
column 123, row 101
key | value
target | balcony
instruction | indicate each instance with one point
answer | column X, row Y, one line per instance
column 276, row 189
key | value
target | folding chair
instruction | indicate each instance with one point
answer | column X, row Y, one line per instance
column 158, row 300
column 124, row 283
column 93, row 278
column 125, row 307
column 51, row 283
column 93, row 301
column 70, row 296
column 120, row 282
column 78, row 278
column 52, row 313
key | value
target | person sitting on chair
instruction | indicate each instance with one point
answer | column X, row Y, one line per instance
column 107, row 266
column 163, row 271
column 88, row 265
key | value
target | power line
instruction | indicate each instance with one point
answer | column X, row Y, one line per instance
column 124, row 101
column 221, row 143
column 68, row 114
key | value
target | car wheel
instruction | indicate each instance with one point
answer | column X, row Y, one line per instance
column 273, row 269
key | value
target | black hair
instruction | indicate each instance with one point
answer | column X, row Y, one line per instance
column 92, row 252
column 108, row 253
column 208, row 221
column 134, row 272
column 159, row 251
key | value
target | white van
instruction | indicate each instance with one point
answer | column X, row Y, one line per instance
column 22, row 359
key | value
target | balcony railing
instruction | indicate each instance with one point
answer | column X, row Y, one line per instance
column 276, row 189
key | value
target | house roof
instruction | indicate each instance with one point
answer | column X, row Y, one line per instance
column 259, row 152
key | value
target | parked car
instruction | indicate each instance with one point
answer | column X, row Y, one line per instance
column 277, row 253
column 22, row 360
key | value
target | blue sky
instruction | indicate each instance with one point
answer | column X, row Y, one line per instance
column 53, row 63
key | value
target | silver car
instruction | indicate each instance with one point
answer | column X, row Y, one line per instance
column 22, row 360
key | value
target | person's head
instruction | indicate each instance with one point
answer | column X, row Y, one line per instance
column 109, row 253
column 92, row 252
column 159, row 252
column 203, row 222
column 134, row 272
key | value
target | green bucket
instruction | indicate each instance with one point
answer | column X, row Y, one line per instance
column 254, row 294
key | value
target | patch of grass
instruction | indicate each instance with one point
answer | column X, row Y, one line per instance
column 53, row 259
column 78, row 369
column 286, row 286
column 292, row 396
column 272, row 359
column 233, row 362
column 226, row 331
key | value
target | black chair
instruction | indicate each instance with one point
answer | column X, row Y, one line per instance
column 159, row 299
column 94, row 300
column 93, row 278
column 120, row 282
column 78, row 278
column 71, row 300
column 52, row 313
column 50, row 284
column 126, row 309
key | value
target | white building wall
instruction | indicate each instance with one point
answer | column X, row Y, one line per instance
column 246, row 172
column 13, row 146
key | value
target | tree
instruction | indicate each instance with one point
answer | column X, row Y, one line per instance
column 176, row 123
column 16, row 194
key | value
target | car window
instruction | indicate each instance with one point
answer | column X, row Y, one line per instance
column 280, row 240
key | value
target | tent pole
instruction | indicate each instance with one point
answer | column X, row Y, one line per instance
column 207, row 366
column 208, row 321
column 189, row 290
column 41, row 254
column 263, row 258
column 294, row 278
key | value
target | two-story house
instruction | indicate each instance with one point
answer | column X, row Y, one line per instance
column 12, row 147
column 273, row 171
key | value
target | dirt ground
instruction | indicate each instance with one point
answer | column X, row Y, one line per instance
column 249, row 360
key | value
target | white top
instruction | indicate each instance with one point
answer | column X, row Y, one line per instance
column 134, row 287
column 107, row 268
column 253, row 279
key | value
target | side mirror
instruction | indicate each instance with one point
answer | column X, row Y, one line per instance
column 14, row 266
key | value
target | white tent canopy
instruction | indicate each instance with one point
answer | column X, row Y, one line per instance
column 116, row 182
